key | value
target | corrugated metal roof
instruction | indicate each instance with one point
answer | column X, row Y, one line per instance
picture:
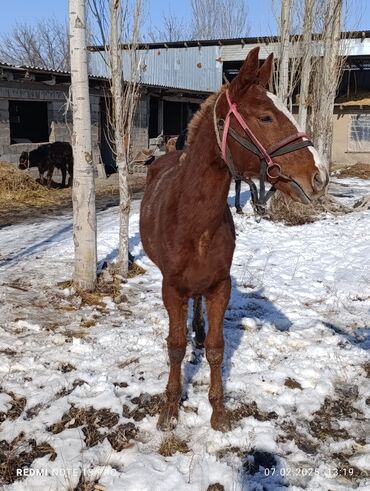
column 197, row 68
column 192, row 67
column 36, row 69
column 349, row 47
column 227, row 41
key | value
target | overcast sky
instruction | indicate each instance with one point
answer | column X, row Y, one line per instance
column 261, row 19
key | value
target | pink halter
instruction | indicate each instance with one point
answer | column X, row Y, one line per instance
column 265, row 155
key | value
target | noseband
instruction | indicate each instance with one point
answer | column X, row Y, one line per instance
column 269, row 170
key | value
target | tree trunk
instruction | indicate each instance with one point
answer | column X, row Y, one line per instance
column 328, row 80
column 83, row 195
column 285, row 20
column 119, row 134
column 306, row 63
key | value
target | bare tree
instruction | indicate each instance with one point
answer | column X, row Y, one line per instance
column 306, row 62
column 124, row 98
column 283, row 64
column 173, row 29
column 286, row 77
column 98, row 10
column 212, row 19
column 44, row 44
column 115, row 25
column 328, row 73
column 83, row 197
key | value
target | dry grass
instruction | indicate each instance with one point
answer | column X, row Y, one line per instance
column 171, row 445
column 20, row 453
column 17, row 406
column 108, row 285
column 93, row 422
column 121, row 437
column 284, row 209
column 87, row 323
column 325, row 422
column 245, row 410
column 291, row 383
column 216, row 487
column 84, row 484
column 146, row 405
column 126, row 363
column 135, row 270
column 359, row 170
column 19, row 190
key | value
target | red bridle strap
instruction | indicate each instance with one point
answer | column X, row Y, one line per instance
column 233, row 110
column 265, row 154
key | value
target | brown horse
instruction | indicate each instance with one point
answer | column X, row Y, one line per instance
column 186, row 226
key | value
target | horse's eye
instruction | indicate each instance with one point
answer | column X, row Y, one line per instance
column 265, row 119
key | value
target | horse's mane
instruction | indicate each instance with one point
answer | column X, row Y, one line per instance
column 193, row 126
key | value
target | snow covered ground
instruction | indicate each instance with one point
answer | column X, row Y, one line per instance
column 80, row 384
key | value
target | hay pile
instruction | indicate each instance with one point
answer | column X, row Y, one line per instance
column 283, row 209
column 18, row 189
column 359, row 170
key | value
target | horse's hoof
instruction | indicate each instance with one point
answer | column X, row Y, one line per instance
column 239, row 211
column 220, row 421
column 167, row 420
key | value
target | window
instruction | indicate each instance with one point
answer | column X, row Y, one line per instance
column 359, row 133
column 28, row 122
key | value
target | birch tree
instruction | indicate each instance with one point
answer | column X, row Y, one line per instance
column 306, row 63
column 124, row 98
column 83, row 194
column 283, row 64
column 114, row 26
column 327, row 80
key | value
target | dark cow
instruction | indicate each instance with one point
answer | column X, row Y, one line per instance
column 46, row 158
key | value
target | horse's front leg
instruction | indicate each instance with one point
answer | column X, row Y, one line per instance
column 41, row 177
column 177, row 306
column 49, row 176
column 216, row 303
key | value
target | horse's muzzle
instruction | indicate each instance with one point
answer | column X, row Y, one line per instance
column 320, row 181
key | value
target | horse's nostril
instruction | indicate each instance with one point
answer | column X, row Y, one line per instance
column 318, row 182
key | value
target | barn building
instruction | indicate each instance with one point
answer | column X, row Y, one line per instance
column 202, row 66
column 175, row 77
column 35, row 108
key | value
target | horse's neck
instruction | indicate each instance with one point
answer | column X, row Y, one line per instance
column 206, row 178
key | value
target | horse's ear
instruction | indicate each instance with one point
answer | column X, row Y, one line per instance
column 265, row 72
column 248, row 72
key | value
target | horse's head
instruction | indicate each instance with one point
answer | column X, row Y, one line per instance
column 24, row 161
column 257, row 130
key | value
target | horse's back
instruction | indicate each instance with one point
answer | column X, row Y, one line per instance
column 161, row 191
column 160, row 166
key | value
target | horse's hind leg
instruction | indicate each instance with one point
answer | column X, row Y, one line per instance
column 177, row 308
column 198, row 322
column 216, row 303
column 64, row 175
column 70, row 172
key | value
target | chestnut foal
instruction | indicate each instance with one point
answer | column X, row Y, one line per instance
column 186, row 226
